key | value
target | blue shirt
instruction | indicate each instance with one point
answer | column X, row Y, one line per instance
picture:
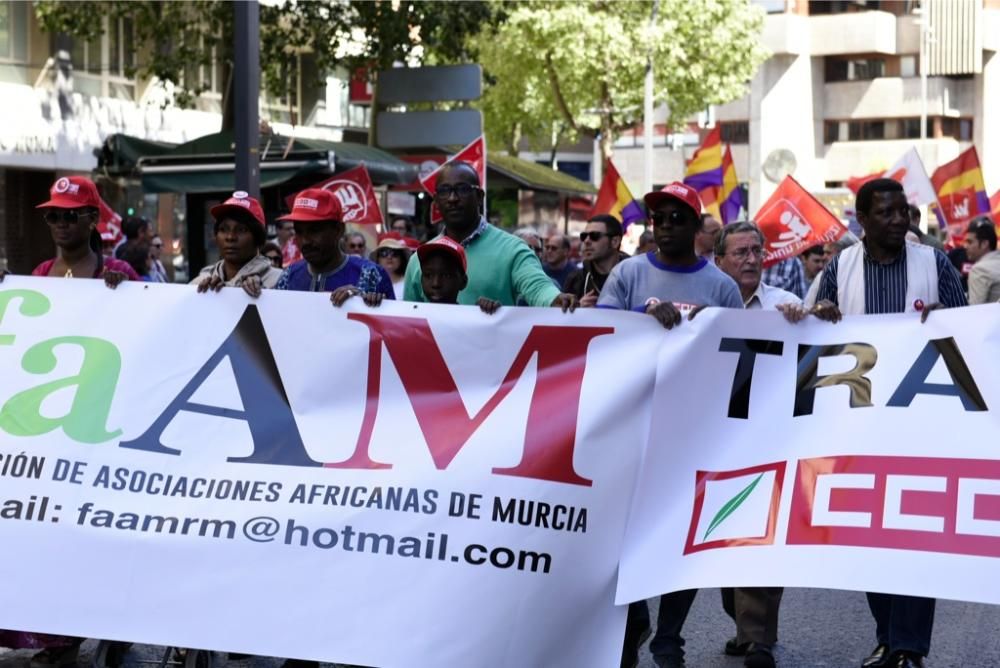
column 643, row 280
column 885, row 284
column 787, row 275
column 356, row 271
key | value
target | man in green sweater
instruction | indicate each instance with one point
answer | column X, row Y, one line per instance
column 501, row 266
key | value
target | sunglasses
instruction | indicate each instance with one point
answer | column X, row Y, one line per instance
column 674, row 218
column 593, row 236
column 463, row 190
column 386, row 252
column 68, row 216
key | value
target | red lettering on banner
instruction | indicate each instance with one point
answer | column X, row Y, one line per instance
column 550, row 437
column 906, row 503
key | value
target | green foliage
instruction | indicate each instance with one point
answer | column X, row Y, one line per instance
column 582, row 64
column 175, row 36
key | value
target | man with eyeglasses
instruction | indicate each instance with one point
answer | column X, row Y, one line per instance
column 600, row 247
column 739, row 252
column 501, row 266
column 557, row 264
column 664, row 283
column 981, row 248
column 707, row 237
column 356, row 244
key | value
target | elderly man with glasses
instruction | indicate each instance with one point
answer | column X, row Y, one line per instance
column 500, row 266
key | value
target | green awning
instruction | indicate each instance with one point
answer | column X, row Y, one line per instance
column 221, row 180
column 206, row 164
column 532, row 176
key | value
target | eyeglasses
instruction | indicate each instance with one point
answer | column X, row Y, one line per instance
column 593, row 236
column 674, row 218
column 743, row 253
column 387, row 252
column 463, row 190
column 68, row 216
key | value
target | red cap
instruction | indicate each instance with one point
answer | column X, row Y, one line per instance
column 444, row 245
column 72, row 192
column 678, row 191
column 240, row 201
column 411, row 243
column 315, row 204
column 110, row 232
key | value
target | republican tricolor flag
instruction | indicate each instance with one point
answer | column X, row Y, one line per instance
column 615, row 199
column 731, row 200
column 961, row 193
column 705, row 174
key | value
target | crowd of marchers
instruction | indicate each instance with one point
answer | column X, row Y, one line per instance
column 686, row 262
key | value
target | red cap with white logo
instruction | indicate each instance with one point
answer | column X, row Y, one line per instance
column 313, row 205
column 678, row 191
column 444, row 245
column 242, row 202
column 72, row 192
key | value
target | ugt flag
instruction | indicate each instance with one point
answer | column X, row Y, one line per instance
column 356, row 194
column 792, row 220
column 615, row 199
column 474, row 154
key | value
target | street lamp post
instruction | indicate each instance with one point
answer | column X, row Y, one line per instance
column 246, row 88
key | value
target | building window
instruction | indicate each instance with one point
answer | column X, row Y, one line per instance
column 14, row 31
column 737, row 132
column 907, row 66
column 896, row 128
column 857, row 69
column 103, row 67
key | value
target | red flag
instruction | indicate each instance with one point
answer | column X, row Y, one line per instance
column 792, row 220
column 995, row 205
column 855, row 182
column 357, row 196
column 474, row 154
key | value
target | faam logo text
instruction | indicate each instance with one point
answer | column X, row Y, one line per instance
column 549, row 441
column 909, row 503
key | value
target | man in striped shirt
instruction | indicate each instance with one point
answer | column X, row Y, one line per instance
column 884, row 274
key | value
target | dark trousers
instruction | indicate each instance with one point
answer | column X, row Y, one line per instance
column 755, row 611
column 636, row 624
column 903, row 623
column 674, row 608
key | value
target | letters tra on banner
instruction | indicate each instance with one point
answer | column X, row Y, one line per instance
column 284, row 478
column 860, row 455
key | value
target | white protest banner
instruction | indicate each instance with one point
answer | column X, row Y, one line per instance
column 861, row 455
column 407, row 485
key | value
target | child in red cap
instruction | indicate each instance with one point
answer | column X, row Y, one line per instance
column 445, row 274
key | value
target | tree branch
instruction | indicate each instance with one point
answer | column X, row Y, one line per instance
column 561, row 101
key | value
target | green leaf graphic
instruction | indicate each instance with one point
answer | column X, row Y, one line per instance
column 731, row 506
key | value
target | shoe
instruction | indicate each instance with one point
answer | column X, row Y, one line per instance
column 879, row 658
column 905, row 660
column 734, row 648
column 669, row 661
column 56, row 657
column 759, row 656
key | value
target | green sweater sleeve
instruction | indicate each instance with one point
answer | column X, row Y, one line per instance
column 412, row 290
column 529, row 280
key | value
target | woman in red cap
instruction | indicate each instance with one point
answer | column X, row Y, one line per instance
column 72, row 213
column 239, row 234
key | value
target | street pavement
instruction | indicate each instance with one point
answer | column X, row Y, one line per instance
column 818, row 628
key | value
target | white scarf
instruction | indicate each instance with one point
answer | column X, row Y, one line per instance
column 921, row 278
